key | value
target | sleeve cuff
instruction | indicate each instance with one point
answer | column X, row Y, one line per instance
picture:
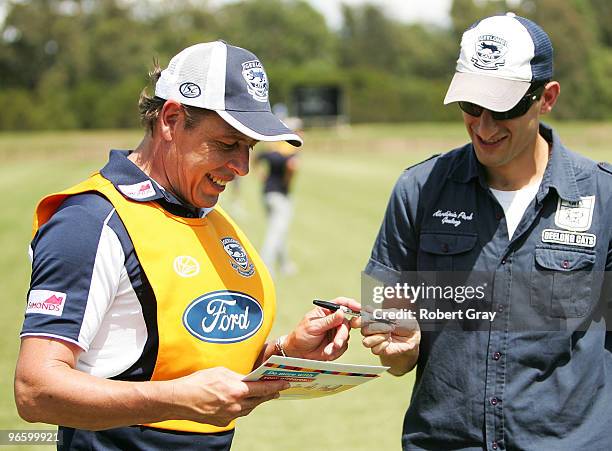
column 83, row 346
column 382, row 273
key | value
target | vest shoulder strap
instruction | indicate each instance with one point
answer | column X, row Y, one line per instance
column 50, row 203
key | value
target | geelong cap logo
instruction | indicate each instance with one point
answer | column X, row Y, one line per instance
column 490, row 52
column 190, row 90
column 256, row 80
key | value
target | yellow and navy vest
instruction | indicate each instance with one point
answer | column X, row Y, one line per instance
column 215, row 298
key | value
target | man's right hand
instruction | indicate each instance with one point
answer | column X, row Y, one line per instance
column 218, row 395
column 396, row 344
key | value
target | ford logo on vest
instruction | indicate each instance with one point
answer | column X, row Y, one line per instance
column 223, row 317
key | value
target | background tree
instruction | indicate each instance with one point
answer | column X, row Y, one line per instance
column 572, row 28
column 82, row 63
column 465, row 12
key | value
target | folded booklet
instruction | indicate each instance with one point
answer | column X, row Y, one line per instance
column 313, row 378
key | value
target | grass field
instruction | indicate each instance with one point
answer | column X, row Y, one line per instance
column 340, row 196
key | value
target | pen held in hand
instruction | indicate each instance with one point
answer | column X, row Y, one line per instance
column 347, row 311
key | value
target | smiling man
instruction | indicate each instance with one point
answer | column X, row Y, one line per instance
column 147, row 304
column 518, row 208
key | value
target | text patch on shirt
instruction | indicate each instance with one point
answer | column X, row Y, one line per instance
column 568, row 238
column 454, row 218
column 46, row 302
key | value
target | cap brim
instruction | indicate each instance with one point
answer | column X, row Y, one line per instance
column 261, row 125
column 492, row 93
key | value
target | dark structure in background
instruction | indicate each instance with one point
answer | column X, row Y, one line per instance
column 321, row 105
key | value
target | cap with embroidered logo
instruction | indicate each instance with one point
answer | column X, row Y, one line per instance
column 230, row 81
column 500, row 57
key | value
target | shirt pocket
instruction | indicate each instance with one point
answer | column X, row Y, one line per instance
column 444, row 251
column 561, row 282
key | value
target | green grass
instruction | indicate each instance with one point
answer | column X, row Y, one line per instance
column 340, row 196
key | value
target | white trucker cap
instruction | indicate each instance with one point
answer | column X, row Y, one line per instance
column 230, row 81
column 500, row 57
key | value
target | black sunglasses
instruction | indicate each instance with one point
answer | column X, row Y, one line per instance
column 518, row 110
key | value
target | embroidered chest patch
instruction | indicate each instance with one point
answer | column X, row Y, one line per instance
column 239, row 259
column 575, row 216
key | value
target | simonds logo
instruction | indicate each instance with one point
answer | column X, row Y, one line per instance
column 223, row 317
column 46, row 302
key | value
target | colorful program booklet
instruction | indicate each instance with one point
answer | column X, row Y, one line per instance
column 313, row 378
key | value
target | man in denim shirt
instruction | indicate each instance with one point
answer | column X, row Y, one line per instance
column 517, row 205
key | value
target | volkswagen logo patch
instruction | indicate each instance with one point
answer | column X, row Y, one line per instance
column 186, row 266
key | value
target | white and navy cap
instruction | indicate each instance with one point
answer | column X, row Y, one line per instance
column 230, row 81
column 500, row 57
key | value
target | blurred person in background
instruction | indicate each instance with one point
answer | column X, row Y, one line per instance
column 517, row 205
column 280, row 163
column 147, row 304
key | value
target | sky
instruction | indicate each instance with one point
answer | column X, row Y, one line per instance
column 430, row 11
column 427, row 11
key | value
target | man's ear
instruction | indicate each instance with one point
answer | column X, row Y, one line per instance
column 549, row 96
column 169, row 118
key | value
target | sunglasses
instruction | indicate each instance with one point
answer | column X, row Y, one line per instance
column 518, row 110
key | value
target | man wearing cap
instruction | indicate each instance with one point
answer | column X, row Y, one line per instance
column 532, row 217
column 147, row 304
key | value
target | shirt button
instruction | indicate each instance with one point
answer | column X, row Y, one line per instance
column 500, row 308
column 503, row 262
column 565, row 264
column 496, row 355
column 445, row 247
column 494, row 445
column 498, row 216
column 494, row 401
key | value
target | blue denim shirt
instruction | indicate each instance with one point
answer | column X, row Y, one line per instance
column 499, row 387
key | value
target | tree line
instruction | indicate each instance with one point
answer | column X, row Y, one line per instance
column 68, row 64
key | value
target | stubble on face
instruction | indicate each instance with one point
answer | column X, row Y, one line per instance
column 507, row 149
